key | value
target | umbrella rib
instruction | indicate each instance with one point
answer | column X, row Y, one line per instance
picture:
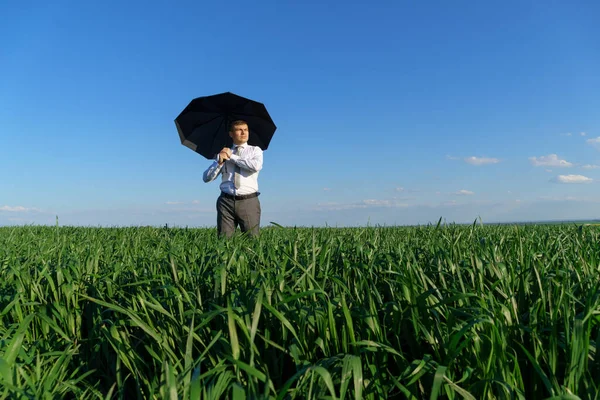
column 248, row 101
column 210, row 120
column 251, row 116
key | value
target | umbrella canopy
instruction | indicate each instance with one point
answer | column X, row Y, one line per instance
column 203, row 125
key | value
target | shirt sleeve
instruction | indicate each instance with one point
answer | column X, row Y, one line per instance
column 252, row 162
column 212, row 172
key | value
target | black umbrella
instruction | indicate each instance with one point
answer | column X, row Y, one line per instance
column 203, row 125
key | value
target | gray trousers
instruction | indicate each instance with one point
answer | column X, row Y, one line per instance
column 243, row 213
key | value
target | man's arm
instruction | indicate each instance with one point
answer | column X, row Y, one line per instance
column 252, row 162
column 213, row 170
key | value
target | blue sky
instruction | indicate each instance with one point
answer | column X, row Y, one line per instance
column 388, row 112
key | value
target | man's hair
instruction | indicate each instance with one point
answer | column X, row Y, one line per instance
column 236, row 123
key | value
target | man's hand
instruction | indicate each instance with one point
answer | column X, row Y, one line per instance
column 223, row 155
column 227, row 150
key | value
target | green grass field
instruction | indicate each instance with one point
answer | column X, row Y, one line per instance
column 433, row 312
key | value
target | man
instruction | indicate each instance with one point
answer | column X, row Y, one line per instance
column 239, row 166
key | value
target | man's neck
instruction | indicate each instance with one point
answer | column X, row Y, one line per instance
column 241, row 144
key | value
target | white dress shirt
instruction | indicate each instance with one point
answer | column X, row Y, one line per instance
column 249, row 159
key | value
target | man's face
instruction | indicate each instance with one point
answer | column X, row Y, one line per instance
column 239, row 134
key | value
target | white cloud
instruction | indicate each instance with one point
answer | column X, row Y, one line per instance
column 180, row 203
column 481, row 160
column 399, row 189
column 368, row 203
column 566, row 134
column 572, row 179
column 464, row 192
column 590, row 166
column 383, row 203
column 583, row 134
column 561, row 198
column 594, row 142
column 334, row 206
column 326, row 189
column 403, row 199
column 551, row 160
column 373, row 202
column 179, row 210
column 476, row 160
column 17, row 209
column 13, row 209
column 178, row 207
